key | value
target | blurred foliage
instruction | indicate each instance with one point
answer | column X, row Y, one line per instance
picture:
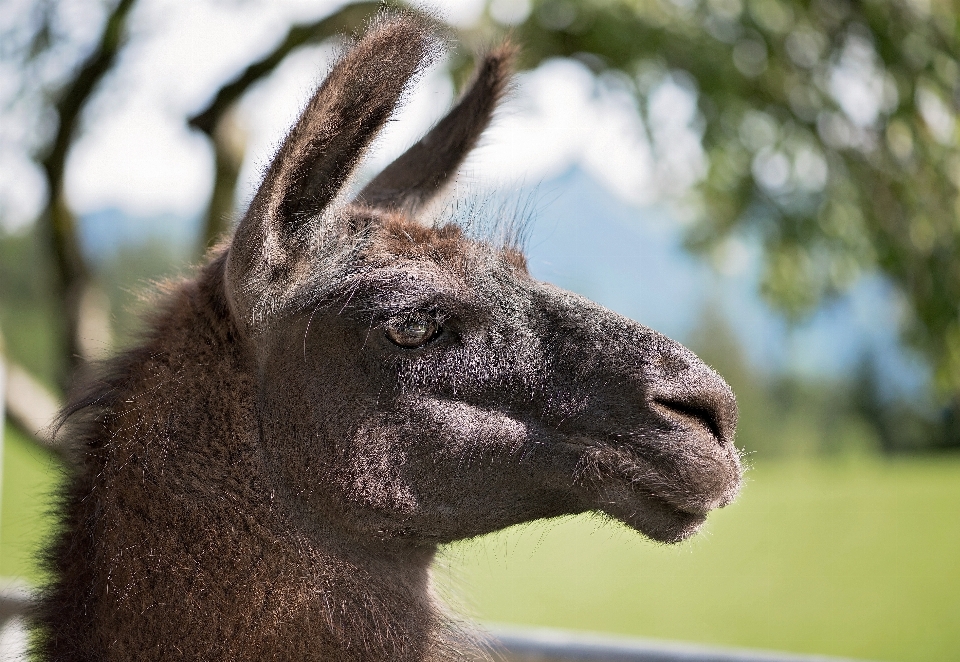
column 28, row 313
column 829, row 129
column 785, row 415
column 853, row 557
column 29, row 310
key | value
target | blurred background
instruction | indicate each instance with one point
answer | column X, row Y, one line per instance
column 772, row 182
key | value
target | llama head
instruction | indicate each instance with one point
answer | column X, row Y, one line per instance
column 417, row 384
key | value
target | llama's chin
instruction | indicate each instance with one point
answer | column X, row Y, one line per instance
column 664, row 505
column 655, row 518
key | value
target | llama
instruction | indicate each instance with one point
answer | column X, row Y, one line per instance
column 341, row 389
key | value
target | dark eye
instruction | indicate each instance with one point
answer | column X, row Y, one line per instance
column 412, row 332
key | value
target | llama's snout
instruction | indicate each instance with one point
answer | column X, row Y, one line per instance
column 703, row 401
column 689, row 395
column 700, row 409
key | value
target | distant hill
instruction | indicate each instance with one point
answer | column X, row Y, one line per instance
column 631, row 260
column 105, row 232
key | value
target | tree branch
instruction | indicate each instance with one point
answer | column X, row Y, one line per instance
column 31, row 407
column 212, row 121
column 72, row 275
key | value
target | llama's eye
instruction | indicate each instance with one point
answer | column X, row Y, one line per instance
column 412, row 333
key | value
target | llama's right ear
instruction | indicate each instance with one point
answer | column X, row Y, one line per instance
column 422, row 171
column 319, row 154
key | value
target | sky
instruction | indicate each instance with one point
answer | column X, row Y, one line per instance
column 136, row 153
column 136, row 157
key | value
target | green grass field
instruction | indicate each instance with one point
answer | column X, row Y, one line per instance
column 29, row 478
column 857, row 558
column 843, row 557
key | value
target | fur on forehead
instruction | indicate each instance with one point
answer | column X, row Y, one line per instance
column 349, row 249
column 449, row 242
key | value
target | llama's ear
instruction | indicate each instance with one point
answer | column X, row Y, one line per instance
column 347, row 111
column 321, row 151
column 420, row 172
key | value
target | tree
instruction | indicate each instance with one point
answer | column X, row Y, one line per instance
column 829, row 129
column 74, row 285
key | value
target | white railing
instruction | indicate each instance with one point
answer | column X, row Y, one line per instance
column 14, row 601
column 513, row 644
column 547, row 645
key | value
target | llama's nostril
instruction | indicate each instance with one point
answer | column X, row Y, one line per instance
column 706, row 416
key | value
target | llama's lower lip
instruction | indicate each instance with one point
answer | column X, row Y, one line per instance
column 667, row 507
column 686, row 501
column 657, row 519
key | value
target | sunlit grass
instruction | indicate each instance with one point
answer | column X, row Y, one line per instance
column 858, row 558
column 30, row 477
column 853, row 557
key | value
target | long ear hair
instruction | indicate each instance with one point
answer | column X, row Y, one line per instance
column 421, row 172
column 320, row 152
column 272, row 246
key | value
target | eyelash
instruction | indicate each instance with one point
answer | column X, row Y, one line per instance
column 415, row 330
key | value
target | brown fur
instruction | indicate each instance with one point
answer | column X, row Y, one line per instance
column 415, row 177
column 267, row 475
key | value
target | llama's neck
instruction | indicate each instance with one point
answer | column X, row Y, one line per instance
column 174, row 545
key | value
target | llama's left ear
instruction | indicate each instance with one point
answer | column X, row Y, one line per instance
column 421, row 172
column 273, row 240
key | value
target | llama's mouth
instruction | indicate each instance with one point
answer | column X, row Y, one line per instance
column 664, row 495
column 654, row 512
column 656, row 518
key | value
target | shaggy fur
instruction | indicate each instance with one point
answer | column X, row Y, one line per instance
column 268, row 474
